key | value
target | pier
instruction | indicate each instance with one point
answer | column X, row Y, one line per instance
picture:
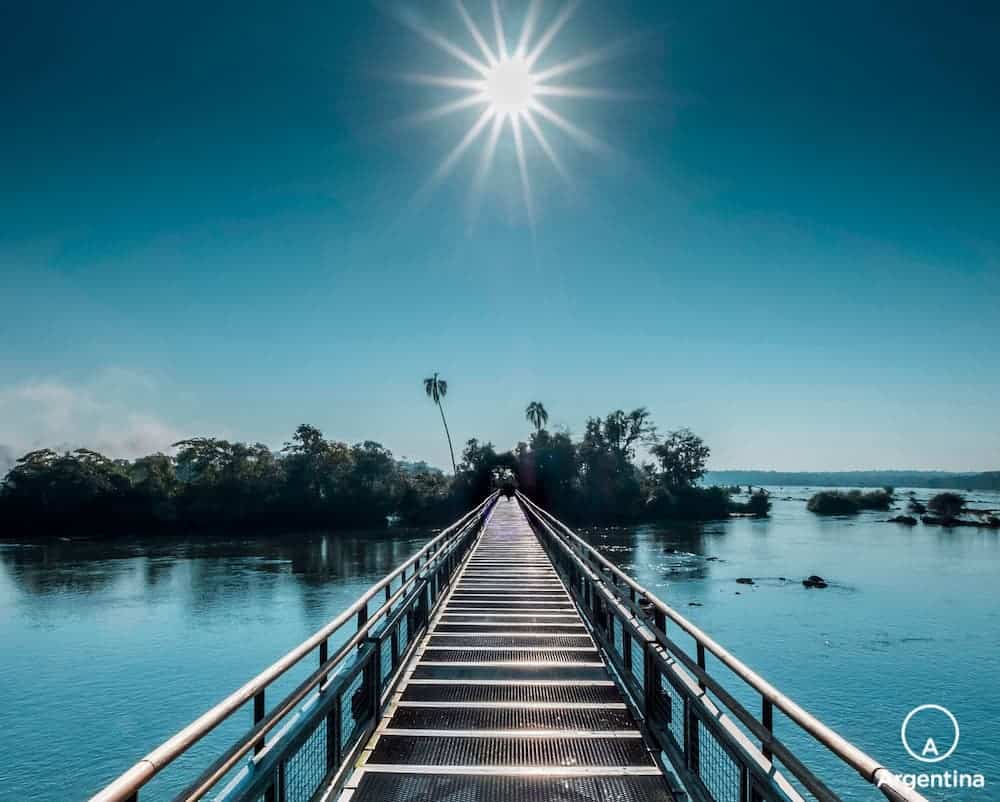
column 509, row 660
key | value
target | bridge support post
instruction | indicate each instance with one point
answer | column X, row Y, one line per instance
column 701, row 663
column 362, row 620
column 767, row 719
column 324, row 655
column 259, row 709
column 658, row 704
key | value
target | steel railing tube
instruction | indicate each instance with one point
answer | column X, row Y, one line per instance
column 127, row 785
column 869, row 768
column 254, row 739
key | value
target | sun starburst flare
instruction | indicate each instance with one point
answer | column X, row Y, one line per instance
column 505, row 82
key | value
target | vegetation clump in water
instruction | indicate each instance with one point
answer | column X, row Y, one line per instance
column 947, row 505
column 838, row 502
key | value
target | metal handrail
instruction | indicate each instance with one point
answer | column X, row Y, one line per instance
column 126, row 787
column 869, row 768
column 208, row 779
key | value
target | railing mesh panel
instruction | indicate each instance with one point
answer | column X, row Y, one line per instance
column 354, row 710
column 404, row 633
column 305, row 770
column 675, row 708
column 716, row 767
column 385, row 658
column 638, row 662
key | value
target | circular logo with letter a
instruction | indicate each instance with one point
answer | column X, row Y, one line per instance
column 930, row 733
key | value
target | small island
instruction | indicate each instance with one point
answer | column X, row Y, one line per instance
column 943, row 509
column 312, row 482
column 851, row 502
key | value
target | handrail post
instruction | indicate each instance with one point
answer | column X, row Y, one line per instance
column 259, row 710
column 362, row 620
column 767, row 719
column 653, row 691
column 324, row 655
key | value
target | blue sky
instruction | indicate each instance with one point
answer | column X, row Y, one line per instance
column 211, row 225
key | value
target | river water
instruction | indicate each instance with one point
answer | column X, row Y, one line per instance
column 108, row 648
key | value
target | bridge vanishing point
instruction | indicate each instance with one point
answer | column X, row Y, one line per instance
column 506, row 661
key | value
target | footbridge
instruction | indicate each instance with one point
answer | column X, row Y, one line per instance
column 507, row 661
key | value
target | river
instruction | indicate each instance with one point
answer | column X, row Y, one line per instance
column 106, row 648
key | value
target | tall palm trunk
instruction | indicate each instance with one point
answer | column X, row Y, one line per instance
column 448, row 435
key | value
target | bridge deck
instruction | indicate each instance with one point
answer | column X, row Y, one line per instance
column 507, row 697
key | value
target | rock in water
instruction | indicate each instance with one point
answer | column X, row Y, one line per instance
column 909, row 520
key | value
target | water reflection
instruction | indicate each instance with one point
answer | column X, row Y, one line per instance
column 158, row 571
column 53, row 569
column 214, row 570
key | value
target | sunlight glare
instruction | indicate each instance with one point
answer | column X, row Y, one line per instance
column 511, row 84
column 510, row 87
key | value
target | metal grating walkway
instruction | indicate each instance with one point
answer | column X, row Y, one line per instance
column 507, row 697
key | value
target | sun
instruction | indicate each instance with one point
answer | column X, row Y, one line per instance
column 512, row 89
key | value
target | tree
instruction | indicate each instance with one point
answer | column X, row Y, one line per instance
column 61, row 487
column 437, row 389
column 947, row 505
column 622, row 431
column 683, row 457
column 314, row 468
column 548, row 471
column 610, row 482
column 537, row 415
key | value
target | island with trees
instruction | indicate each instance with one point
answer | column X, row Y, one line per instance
column 317, row 483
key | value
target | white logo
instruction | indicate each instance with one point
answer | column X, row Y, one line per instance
column 929, row 752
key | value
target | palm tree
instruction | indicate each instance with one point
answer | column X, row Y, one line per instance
column 536, row 415
column 437, row 389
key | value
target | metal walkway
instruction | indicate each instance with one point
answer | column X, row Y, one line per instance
column 508, row 660
column 507, row 696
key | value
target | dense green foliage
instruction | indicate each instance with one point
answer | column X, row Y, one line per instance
column 837, row 502
column 317, row 483
column 311, row 482
column 758, row 504
column 947, row 505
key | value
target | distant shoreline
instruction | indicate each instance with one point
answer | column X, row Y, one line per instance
column 935, row 480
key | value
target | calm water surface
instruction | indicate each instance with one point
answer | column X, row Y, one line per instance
column 107, row 649
column 911, row 617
